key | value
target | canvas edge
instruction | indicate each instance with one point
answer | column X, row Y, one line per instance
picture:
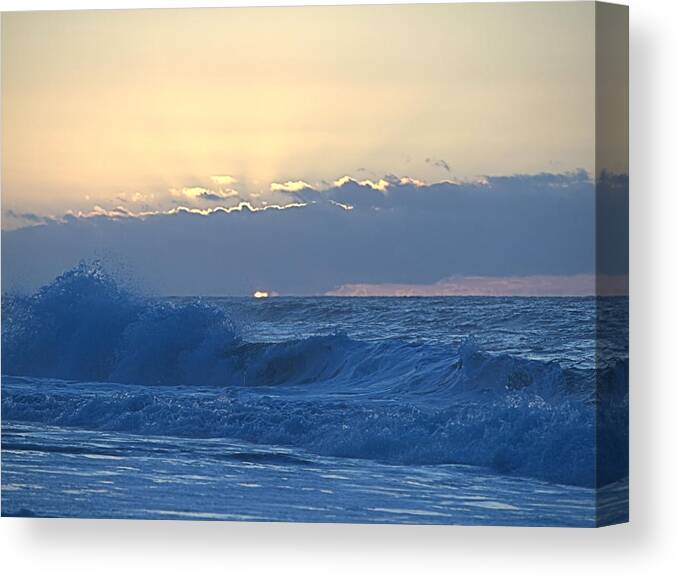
column 612, row 227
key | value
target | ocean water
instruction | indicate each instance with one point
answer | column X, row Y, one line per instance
column 471, row 410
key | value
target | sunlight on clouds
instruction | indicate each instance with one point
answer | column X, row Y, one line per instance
column 201, row 193
column 342, row 205
column 346, row 193
column 289, row 186
column 243, row 206
column 381, row 185
column 405, row 180
column 122, row 212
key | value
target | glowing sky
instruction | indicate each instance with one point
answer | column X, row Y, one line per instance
column 149, row 109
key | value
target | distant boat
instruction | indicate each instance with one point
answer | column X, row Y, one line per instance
column 260, row 294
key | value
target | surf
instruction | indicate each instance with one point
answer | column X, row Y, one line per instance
column 85, row 352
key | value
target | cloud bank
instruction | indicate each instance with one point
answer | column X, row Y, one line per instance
column 527, row 286
column 350, row 233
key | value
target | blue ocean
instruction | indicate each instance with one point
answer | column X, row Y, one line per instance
column 451, row 410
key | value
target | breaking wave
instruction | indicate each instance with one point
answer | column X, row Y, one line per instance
column 390, row 400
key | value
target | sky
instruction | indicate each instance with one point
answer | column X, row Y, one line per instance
column 318, row 123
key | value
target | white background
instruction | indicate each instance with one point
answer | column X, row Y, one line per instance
column 646, row 546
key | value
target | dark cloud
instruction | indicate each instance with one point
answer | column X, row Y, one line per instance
column 27, row 216
column 24, row 218
column 211, row 196
column 390, row 231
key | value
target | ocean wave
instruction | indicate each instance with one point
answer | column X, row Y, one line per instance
column 516, row 434
column 84, row 326
column 391, row 400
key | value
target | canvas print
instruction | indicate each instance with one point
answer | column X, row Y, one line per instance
column 356, row 264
